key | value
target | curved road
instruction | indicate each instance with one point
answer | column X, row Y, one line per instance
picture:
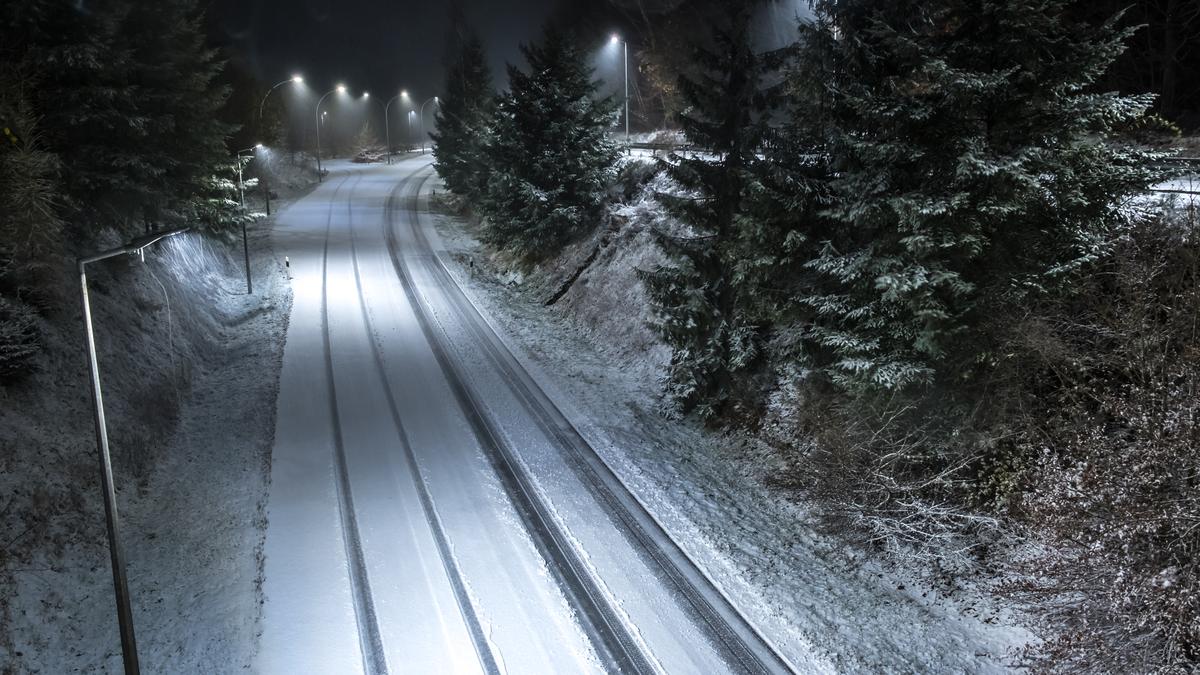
column 431, row 509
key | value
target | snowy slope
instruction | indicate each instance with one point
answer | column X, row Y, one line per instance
column 824, row 605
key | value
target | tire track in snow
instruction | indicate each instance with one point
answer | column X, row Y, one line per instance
column 369, row 638
column 610, row 637
column 740, row 642
column 479, row 639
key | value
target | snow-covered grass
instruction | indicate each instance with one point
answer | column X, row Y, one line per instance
column 189, row 365
column 812, row 593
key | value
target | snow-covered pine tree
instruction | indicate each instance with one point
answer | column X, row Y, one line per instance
column 179, row 99
column 550, row 162
column 697, row 297
column 87, row 105
column 128, row 100
column 973, row 169
column 463, row 115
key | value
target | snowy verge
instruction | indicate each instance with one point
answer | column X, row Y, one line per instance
column 189, row 364
column 810, row 593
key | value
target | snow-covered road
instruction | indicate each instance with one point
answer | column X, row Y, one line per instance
column 431, row 509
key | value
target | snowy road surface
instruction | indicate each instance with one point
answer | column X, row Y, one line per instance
column 431, row 509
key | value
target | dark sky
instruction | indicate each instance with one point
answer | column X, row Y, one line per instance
column 378, row 45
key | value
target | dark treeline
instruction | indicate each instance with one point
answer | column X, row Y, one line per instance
column 112, row 122
column 916, row 255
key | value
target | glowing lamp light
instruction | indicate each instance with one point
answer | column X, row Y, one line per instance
column 341, row 88
column 366, row 94
column 404, row 93
column 297, row 79
column 615, row 38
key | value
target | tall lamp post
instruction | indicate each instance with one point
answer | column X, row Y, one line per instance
column 368, row 99
column 421, row 121
column 295, row 79
column 617, row 39
column 112, row 520
column 340, row 89
column 242, row 195
column 387, row 125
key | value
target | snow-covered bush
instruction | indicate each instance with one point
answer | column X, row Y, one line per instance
column 1112, row 376
column 19, row 339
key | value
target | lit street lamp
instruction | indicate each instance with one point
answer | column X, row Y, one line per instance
column 617, row 39
column 421, row 121
column 340, row 89
column 296, row 79
column 112, row 520
column 387, row 125
column 263, row 106
column 242, row 195
column 367, row 97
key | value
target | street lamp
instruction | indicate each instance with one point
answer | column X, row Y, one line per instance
column 617, row 39
column 421, row 121
column 295, row 79
column 242, row 195
column 387, row 125
column 340, row 89
column 112, row 520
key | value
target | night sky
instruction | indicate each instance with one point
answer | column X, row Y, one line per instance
column 376, row 45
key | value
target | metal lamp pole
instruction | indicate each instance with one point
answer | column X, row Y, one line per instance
column 261, row 108
column 625, row 45
column 367, row 96
column 340, row 89
column 387, row 121
column 245, row 240
column 421, row 121
column 112, row 519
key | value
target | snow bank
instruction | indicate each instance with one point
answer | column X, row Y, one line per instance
column 189, row 364
column 810, row 593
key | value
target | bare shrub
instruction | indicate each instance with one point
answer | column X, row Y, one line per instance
column 898, row 472
column 1113, row 426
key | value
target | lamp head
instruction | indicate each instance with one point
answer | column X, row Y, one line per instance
column 341, row 89
column 258, row 146
column 615, row 39
column 403, row 93
column 297, row 79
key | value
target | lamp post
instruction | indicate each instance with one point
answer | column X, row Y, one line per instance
column 387, row 125
column 367, row 97
column 615, row 39
column 340, row 89
column 242, row 194
column 111, row 518
column 421, row 121
column 296, row 79
column 263, row 106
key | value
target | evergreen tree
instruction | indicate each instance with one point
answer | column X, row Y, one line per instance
column 86, row 101
column 127, row 98
column 972, row 170
column 180, row 101
column 462, row 121
column 699, row 297
column 550, row 162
